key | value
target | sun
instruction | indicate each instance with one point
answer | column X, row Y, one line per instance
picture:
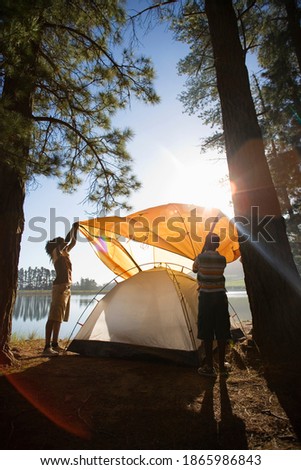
column 201, row 182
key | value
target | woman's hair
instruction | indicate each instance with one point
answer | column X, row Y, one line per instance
column 52, row 244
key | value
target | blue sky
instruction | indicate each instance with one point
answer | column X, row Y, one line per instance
column 167, row 160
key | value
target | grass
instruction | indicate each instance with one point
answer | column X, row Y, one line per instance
column 235, row 284
column 17, row 338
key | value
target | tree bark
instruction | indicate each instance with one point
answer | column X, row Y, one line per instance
column 272, row 280
column 20, row 69
column 12, row 223
column 293, row 18
column 17, row 101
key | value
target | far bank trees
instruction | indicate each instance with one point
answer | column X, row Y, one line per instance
column 40, row 278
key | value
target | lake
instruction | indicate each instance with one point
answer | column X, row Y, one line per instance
column 31, row 312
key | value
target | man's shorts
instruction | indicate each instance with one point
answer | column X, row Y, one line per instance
column 213, row 317
column 60, row 303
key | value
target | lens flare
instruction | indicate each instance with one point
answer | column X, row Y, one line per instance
column 54, row 409
column 101, row 244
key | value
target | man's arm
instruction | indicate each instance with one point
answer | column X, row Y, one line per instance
column 195, row 266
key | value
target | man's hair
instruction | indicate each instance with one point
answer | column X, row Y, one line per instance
column 211, row 239
column 52, row 244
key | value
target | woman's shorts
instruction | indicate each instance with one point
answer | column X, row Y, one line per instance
column 60, row 303
column 213, row 317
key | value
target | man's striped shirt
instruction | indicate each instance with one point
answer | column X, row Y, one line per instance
column 209, row 267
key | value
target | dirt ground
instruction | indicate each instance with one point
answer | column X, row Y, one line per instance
column 74, row 402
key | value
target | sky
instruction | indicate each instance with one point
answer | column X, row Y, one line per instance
column 166, row 159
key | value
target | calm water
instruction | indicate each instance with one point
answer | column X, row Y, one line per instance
column 31, row 312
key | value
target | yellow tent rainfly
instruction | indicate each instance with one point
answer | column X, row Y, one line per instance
column 175, row 228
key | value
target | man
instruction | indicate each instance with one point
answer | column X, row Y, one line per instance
column 213, row 315
column 58, row 249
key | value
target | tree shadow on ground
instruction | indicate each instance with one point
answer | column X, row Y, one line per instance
column 73, row 402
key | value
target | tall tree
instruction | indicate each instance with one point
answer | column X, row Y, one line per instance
column 280, row 106
column 271, row 277
column 64, row 75
column 293, row 10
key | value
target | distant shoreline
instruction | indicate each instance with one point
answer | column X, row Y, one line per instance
column 234, row 288
column 48, row 292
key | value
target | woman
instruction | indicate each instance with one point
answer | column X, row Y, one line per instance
column 58, row 249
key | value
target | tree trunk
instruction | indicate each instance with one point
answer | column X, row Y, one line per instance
column 272, row 280
column 12, row 223
column 19, row 76
column 293, row 18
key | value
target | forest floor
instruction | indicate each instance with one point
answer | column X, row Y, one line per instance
column 75, row 402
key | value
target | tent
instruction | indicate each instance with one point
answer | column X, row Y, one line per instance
column 153, row 313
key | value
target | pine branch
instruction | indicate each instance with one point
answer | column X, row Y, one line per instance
column 120, row 68
column 61, row 122
column 152, row 7
column 89, row 39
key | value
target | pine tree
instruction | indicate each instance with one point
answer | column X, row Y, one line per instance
column 65, row 73
column 219, row 49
